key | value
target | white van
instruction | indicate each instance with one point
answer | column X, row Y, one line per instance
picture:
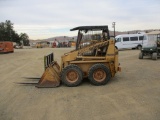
column 129, row 41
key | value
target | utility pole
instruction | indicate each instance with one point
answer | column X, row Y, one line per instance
column 113, row 26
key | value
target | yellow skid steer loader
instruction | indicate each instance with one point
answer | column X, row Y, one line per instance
column 95, row 57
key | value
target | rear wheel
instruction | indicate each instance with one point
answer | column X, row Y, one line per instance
column 99, row 74
column 139, row 47
column 140, row 55
column 154, row 56
column 71, row 75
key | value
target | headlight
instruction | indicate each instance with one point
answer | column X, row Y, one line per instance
column 150, row 49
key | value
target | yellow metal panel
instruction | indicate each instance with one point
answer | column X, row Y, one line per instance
column 92, row 61
column 90, row 57
column 70, row 56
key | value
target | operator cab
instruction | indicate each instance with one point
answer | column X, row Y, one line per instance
column 90, row 34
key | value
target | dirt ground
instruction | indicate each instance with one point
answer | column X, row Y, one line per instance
column 133, row 94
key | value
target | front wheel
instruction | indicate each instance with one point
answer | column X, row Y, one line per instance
column 71, row 75
column 154, row 56
column 140, row 55
column 99, row 74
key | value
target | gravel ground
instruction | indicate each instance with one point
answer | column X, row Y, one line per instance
column 133, row 94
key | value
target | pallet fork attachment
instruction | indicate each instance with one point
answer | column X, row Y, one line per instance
column 51, row 75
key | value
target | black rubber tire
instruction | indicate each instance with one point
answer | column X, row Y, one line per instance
column 154, row 56
column 140, row 55
column 73, row 69
column 102, row 69
column 139, row 47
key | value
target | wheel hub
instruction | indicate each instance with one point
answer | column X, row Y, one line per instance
column 72, row 76
column 99, row 75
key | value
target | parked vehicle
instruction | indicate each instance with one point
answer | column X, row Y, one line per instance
column 6, row 47
column 99, row 66
column 129, row 41
column 152, row 46
column 42, row 44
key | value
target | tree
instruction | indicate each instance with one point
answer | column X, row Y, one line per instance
column 2, row 31
column 7, row 33
column 15, row 37
column 25, row 39
column 6, row 30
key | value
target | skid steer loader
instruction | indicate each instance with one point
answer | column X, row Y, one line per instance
column 95, row 57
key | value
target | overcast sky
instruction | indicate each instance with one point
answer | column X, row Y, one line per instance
column 50, row 18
